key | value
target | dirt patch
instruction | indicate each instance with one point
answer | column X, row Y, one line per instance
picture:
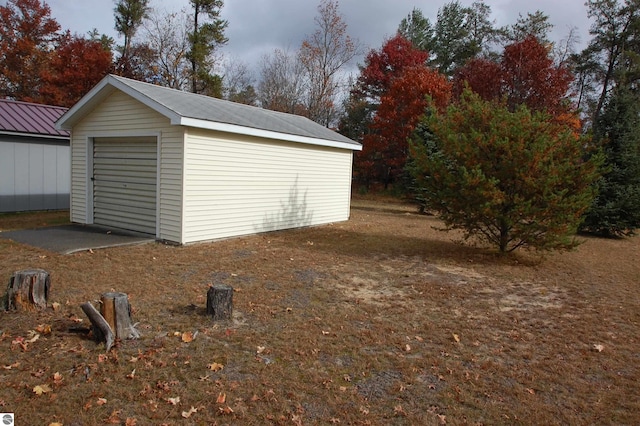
column 379, row 320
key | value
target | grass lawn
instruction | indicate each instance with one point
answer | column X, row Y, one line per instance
column 380, row 320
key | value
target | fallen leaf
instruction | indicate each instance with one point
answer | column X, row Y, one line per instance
column 324, row 333
column 260, row 349
column 101, row 401
column 215, row 366
column 174, row 401
column 10, row 366
column 598, row 348
column 114, row 418
column 55, row 424
column 57, row 378
column 225, row 410
column 456, row 338
column 531, row 391
column 131, row 421
column 55, row 306
column 102, row 358
column 40, row 389
column 407, row 348
column 187, row 336
column 44, row 329
column 222, row 398
column 132, row 374
column 187, row 414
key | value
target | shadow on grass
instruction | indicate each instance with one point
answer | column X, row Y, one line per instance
column 353, row 243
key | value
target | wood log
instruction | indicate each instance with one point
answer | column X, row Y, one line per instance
column 220, row 302
column 100, row 327
column 28, row 290
column 116, row 310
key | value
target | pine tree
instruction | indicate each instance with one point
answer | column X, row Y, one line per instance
column 616, row 210
column 511, row 178
column 206, row 37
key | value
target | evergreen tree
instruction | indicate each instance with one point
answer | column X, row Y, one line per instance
column 616, row 209
column 511, row 178
column 206, row 37
column 129, row 15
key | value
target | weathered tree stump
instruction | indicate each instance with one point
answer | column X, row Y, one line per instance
column 220, row 302
column 116, row 310
column 28, row 290
column 114, row 319
column 100, row 327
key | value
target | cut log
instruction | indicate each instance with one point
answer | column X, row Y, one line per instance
column 220, row 302
column 100, row 327
column 28, row 290
column 116, row 311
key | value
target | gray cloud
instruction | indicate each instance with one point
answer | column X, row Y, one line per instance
column 256, row 27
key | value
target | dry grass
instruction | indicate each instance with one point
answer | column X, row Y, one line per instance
column 380, row 320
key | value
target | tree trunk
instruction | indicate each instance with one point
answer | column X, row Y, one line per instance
column 100, row 327
column 28, row 290
column 116, row 311
column 220, row 302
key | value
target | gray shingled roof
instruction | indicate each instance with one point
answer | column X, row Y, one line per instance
column 206, row 108
column 29, row 118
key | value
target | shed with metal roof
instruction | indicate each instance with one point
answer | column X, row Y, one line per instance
column 186, row 167
column 34, row 158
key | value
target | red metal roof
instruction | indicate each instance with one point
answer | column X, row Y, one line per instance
column 29, row 118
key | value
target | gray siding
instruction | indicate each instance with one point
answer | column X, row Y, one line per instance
column 34, row 175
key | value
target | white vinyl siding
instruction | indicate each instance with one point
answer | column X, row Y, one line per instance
column 238, row 185
column 119, row 115
column 124, row 183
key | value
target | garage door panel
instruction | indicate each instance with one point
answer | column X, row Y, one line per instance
column 137, row 180
column 125, row 183
column 141, row 203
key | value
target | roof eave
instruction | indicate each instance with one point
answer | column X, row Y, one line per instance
column 34, row 135
column 249, row 131
column 104, row 88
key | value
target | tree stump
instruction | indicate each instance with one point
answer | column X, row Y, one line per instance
column 28, row 290
column 114, row 319
column 116, row 310
column 220, row 302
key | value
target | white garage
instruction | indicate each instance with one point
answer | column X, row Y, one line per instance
column 187, row 168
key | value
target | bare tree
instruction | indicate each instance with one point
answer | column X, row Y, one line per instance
column 281, row 82
column 168, row 35
column 323, row 55
column 238, row 83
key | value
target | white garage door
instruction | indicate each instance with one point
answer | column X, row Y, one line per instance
column 124, row 183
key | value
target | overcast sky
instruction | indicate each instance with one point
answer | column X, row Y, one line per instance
column 256, row 27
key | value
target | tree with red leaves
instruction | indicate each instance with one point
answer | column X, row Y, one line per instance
column 385, row 149
column 76, row 65
column 525, row 75
column 381, row 68
column 26, row 32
